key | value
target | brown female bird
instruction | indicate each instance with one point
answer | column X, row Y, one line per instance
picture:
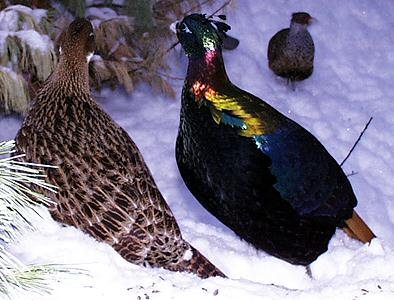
column 105, row 187
column 291, row 51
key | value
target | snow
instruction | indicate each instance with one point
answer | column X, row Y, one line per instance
column 10, row 72
column 10, row 17
column 35, row 40
column 352, row 80
column 101, row 13
column 10, row 25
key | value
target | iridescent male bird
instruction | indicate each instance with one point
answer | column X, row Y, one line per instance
column 260, row 173
column 105, row 187
column 291, row 50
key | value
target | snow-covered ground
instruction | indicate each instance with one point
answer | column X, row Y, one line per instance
column 353, row 80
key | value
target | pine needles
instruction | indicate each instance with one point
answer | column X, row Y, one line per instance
column 17, row 200
column 18, row 203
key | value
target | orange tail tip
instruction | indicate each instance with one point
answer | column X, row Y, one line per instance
column 356, row 228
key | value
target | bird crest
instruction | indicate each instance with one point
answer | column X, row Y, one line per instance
column 198, row 33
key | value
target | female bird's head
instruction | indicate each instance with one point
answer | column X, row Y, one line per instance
column 199, row 34
column 77, row 41
column 301, row 18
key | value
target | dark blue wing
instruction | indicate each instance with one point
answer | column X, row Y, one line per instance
column 307, row 176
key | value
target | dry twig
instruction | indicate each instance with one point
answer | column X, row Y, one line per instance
column 355, row 144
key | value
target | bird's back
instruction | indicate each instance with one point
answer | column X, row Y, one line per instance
column 277, row 44
column 101, row 175
column 291, row 57
column 105, row 187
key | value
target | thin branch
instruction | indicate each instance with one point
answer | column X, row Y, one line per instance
column 173, row 46
column 220, row 8
column 169, row 76
column 351, row 174
column 355, row 144
column 195, row 7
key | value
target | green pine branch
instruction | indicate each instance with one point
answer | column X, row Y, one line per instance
column 18, row 203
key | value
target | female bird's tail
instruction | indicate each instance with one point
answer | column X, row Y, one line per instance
column 199, row 265
column 356, row 228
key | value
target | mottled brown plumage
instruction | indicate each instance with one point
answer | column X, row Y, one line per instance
column 105, row 188
column 291, row 51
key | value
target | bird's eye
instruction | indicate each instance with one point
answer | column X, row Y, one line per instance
column 91, row 34
column 183, row 27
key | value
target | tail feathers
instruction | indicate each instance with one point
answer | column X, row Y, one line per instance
column 179, row 256
column 200, row 265
column 357, row 229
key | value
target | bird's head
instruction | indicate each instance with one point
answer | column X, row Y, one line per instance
column 301, row 18
column 199, row 34
column 77, row 41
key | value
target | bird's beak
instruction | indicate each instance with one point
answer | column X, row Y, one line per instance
column 174, row 26
column 312, row 20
